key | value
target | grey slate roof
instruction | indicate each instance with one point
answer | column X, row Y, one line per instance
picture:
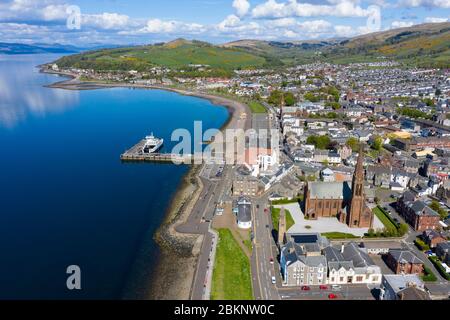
column 360, row 258
column 404, row 256
column 420, row 208
column 330, row 190
column 294, row 252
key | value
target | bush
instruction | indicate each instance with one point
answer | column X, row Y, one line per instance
column 421, row 245
column 428, row 276
column 440, row 268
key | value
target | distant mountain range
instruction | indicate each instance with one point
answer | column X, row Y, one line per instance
column 426, row 45
column 19, row 48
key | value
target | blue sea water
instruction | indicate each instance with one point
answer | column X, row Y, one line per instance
column 65, row 197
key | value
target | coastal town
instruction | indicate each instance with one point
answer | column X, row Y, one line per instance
column 352, row 203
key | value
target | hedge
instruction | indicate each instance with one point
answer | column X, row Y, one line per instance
column 439, row 267
column 428, row 276
column 421, row 245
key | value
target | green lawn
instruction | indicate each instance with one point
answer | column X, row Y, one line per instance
column 286, row 201
column 231, row 276
column 276, row 219
column 339, row 235
column 384, row 219
column 257, row 107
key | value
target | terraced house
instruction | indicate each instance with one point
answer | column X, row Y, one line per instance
column 300, row 266
column 351, row 265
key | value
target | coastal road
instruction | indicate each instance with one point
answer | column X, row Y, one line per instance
column 213, row 190
column 199, row 222
column 264, row 249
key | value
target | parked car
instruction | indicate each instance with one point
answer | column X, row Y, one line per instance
column 274, row 280
column 271, row 260
column 429, row 252
column 336, row 287
column 306, row 288
column 332, row 296
column 322, row 287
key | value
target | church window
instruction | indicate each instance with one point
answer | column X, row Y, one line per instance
column 320, row 204
column 335, row 205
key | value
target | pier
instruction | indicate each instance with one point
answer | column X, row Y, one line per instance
column 135, row 154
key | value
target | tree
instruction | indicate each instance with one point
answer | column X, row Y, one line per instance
column 353, row 143
column 437, row 207
column 320, row 142
column 289, row 99
column 377, row 143
column 438, row 92
column 403, row 229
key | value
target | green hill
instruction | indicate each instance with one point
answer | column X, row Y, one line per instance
column 421, row 45
column 178, row 54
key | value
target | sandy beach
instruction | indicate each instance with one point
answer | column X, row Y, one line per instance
column 173, row 275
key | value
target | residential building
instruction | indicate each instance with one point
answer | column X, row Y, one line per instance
column 404, row 262
column 298, row 268
column 351, row 265
column 403, row 287
column 432, row 238
column 443, row 251
column 417, row 213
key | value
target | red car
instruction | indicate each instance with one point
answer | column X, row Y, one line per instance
column 306, row 288
column 266, row 210
column 332, row 296
column 271, row 260
column 322, row 287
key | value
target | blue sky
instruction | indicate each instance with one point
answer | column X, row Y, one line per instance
column 147, row 21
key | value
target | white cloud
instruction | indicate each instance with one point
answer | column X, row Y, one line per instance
column 242, row 7
column 435, row 20
column 401, row 24
column 339, row 8
column 344, row 31
column 425, row 3
column 158, row 26
column 106, row 20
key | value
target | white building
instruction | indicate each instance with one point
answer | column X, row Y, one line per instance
column 351, row 265
column 244, row 213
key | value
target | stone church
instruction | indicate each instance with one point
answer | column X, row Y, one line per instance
column 340, row 199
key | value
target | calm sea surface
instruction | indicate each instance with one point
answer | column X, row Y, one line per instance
column 65, row 197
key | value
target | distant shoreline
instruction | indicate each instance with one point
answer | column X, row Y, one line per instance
column 177, row 249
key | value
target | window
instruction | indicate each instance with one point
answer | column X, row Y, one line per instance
column 341, row 279
column 332, row 279
column 335, row 205
column 327, row 205
column 320, row 204
column 359, row 279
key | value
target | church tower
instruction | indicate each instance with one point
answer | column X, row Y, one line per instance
column 282, row 228
column 357, row 206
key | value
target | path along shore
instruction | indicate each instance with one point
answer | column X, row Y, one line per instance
column 174, row 273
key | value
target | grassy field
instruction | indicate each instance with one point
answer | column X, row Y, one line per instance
column 257, row 107
column 231, row 276
column 276, row 219
column 339, row 235
column 384, row 219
